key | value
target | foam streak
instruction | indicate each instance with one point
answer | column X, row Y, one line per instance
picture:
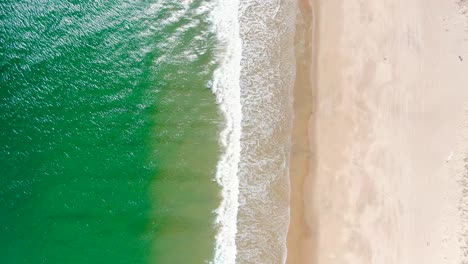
column 226, row 87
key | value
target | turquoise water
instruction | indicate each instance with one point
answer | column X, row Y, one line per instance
column 108, row 132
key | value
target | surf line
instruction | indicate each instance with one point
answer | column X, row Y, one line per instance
column 226, row 88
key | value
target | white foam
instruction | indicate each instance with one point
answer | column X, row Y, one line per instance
column 226, row 88
column 253, row 87
column 267, row 30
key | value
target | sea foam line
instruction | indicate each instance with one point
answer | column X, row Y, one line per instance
column 226, row 87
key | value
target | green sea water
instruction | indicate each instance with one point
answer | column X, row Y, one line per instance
column 108, row 132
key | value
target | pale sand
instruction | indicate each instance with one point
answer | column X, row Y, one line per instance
column 379, row 135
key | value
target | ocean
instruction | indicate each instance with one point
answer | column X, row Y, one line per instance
column 145, row 131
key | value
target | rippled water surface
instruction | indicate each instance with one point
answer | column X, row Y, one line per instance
column 108, row 132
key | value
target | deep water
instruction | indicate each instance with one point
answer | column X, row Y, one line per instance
column 108, row 132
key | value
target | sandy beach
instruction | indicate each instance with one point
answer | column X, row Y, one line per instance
column 378, row 168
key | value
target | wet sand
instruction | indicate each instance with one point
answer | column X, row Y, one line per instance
column 379, row 133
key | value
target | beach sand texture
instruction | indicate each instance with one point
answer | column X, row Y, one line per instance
column 379, row 133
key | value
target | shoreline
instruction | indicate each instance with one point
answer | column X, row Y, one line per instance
column 299, row 228
column 376, row 168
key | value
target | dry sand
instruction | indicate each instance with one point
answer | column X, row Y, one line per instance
column 379, row 135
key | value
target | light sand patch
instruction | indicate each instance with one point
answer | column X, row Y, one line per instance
column 385, row 177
